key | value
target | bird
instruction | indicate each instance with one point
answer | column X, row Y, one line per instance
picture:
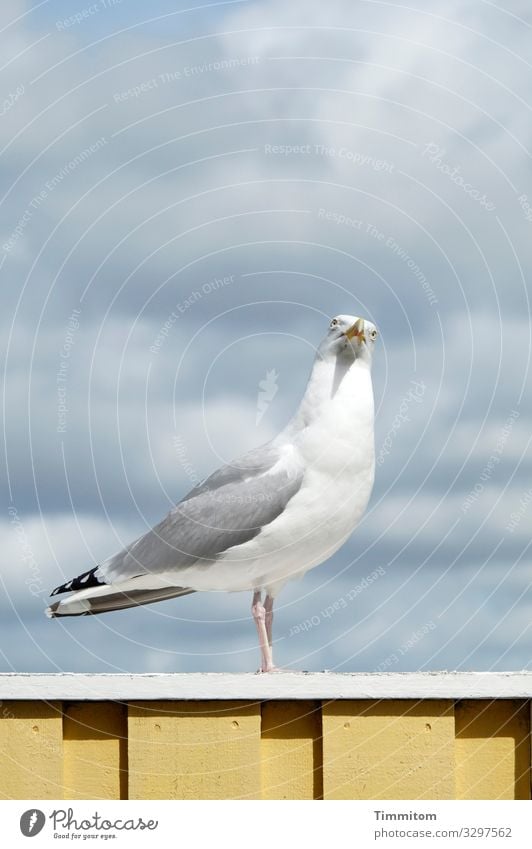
column 266, row 517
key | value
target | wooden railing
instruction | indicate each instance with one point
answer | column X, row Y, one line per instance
column 285, row 736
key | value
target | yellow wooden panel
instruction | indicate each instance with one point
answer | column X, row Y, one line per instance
column 95, row 751
column 291, row 750
column 31, row 750
column 493, row 749
column 194, row 750
column 395, row 749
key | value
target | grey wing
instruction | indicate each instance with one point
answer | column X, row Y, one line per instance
column 227, row 509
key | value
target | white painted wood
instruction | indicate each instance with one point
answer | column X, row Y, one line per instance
column 286, row 685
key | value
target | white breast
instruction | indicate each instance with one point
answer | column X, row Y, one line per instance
column 336, row 448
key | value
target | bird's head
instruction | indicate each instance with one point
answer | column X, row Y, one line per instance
column 349, row 336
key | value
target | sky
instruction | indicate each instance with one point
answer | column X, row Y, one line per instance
column 189, row 192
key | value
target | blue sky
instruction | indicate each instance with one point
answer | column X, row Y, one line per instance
column 186, row 200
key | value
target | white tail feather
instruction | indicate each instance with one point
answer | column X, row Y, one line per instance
column 145, row 589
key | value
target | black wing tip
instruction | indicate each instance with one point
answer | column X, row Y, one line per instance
column 83, row 582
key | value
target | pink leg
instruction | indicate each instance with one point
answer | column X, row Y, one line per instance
column 259, row 615
column 268, row 608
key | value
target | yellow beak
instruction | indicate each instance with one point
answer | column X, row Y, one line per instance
column 357, row 330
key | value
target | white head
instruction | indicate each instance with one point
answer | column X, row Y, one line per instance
column 349, row 337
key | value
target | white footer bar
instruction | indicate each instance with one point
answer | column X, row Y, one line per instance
column 266, row 825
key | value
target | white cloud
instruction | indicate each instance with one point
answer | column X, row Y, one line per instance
column 362, row 82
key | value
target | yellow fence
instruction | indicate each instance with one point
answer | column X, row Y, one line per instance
column 252, row 748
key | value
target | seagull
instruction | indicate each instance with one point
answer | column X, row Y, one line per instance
column 268, row 516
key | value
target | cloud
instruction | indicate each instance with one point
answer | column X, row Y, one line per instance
column 321, row 160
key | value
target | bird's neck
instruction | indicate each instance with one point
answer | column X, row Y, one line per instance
column 333, row 379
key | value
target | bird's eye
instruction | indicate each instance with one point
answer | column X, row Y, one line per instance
column 334, row 323
column 372, row 334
